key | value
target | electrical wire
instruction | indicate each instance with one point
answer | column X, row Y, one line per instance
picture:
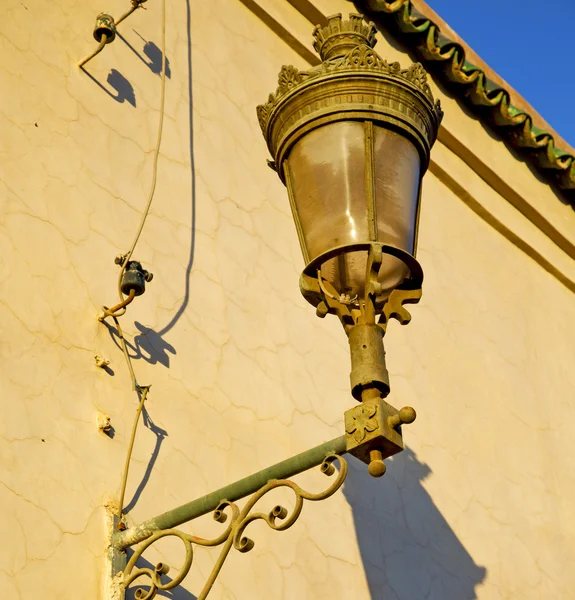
column 144, row 394
column 103, row 42
column 135, row 5
column 142, row 391
column 113, row 312
column 126, row 257
column 135, row 384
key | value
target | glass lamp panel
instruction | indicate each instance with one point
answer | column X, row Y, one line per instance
column 397, row 180
column 329, row 186
column 327, row 169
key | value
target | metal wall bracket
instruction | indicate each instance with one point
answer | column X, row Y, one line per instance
column 105, row 29
column 377, row 427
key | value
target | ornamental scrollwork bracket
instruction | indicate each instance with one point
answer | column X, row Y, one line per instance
column 278, row 519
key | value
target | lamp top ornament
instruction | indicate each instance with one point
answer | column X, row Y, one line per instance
column 339, row 37
column 352, row 83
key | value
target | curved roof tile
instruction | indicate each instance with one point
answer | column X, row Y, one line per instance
column 448, row 60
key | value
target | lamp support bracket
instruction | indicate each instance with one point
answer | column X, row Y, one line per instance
column 365, row 427
column 352, row 311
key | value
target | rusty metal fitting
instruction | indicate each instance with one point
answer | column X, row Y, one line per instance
column 105, row 26
column 368, row 368
column 373, row 432
column 134, row 278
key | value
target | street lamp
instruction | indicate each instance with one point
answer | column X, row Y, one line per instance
column 350, row 139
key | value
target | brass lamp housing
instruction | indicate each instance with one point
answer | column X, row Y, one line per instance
column 381, row 122
column 352, row 85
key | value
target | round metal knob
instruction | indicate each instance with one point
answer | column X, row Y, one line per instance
column 376, row 467
column 404, row 417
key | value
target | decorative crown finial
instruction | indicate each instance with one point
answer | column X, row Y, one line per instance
column 339, row 37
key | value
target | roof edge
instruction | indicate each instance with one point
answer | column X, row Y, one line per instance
column 455, row 64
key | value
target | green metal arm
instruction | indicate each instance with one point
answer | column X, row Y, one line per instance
column 230, row 493
column 126, row 573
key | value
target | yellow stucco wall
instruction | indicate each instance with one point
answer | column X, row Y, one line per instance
column 243, row 374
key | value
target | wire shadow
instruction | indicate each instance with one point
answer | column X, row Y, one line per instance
column 190, row 263
column 152, row 52
column 151, row 341
column 124, row 89
column 178, row 593
column 160, row 435
column 148, row 345
column 152, row 347
column 408, row 549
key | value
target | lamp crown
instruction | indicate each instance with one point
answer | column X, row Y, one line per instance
column 351, row 83
column 338, row 38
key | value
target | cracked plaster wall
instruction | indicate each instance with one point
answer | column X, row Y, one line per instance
column 243, row 373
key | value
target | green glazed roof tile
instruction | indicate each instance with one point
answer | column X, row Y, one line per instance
column 447, row 59
column 561, row 153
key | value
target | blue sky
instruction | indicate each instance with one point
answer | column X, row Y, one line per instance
column 531, row 44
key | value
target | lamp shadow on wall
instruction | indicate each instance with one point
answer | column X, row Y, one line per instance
column 123, row 88
column 408, row 549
